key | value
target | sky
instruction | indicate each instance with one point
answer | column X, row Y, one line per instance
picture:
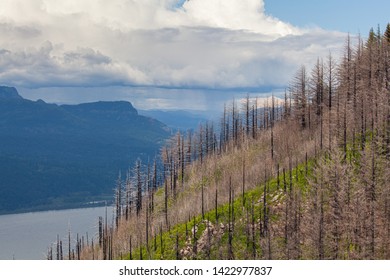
column 170, row 54
column 356, row 16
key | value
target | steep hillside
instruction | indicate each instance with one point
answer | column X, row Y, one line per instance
column 306, row 180
column 63, row 156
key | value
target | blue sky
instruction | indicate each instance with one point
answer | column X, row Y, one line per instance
column 170, row 54
column 342, row 15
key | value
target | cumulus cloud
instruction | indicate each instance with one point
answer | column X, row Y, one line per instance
column 237, row 15
column 47, row 66
column 210, row 44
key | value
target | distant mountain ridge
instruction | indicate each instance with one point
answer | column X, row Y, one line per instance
column 9, row 93
column 58, row 156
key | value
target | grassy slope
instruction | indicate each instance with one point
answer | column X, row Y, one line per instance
column 213, row 242
column 217, row 173
column 248, row 238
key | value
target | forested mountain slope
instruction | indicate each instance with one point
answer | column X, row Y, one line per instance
column 55, row 156
column 306, row 179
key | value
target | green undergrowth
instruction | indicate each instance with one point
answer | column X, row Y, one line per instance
column 212, row 242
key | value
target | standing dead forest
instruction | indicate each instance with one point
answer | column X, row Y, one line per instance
column 299, row 177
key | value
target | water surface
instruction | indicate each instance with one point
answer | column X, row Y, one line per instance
column 28, row 236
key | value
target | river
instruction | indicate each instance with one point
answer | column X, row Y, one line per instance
column 28, row 236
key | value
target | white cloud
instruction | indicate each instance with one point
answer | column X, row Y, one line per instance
column 212, row 44
column 237, row 15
